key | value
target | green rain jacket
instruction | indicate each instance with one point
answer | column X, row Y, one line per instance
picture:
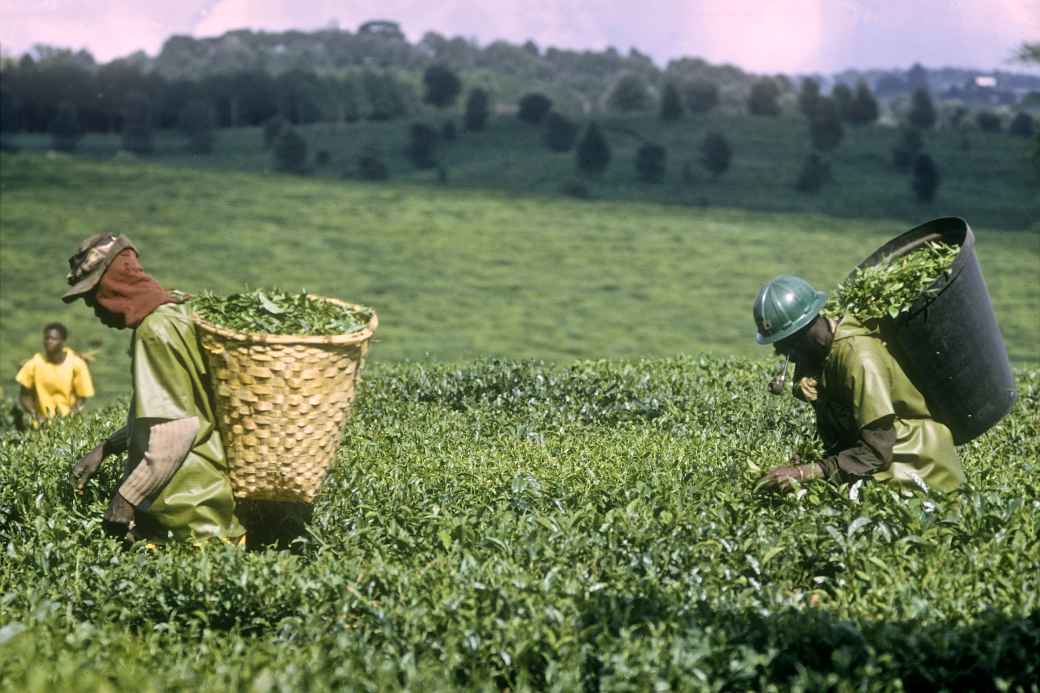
column 169, row 378
column 864, row 396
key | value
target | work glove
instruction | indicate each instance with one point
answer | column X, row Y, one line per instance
column 787, row 477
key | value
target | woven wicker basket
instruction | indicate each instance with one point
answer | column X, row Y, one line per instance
column 281, row 404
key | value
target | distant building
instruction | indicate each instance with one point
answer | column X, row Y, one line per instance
column 382, row 28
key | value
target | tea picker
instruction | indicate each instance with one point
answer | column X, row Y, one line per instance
column 893, row 396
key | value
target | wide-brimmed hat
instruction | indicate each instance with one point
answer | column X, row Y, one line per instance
column 91, row 259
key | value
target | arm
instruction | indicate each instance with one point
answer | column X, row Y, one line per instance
column 27, row 400
column 872, row 454
column 89, row 463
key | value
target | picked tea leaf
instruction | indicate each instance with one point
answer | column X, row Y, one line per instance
column 273, row 311
column 892, row 286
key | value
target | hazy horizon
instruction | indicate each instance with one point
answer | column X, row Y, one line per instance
column 796, row 36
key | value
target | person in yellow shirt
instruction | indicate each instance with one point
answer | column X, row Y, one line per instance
column 56, row 381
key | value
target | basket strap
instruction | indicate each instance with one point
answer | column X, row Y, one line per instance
column 168, row 445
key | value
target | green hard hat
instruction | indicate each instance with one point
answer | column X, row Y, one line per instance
column 784, row 306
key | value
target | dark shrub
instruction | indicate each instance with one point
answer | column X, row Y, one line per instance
column 907, row 148
column 533, row 108
column 701, row 96
column 65, row 129
column 478, row 106
column 290, row 152
column 273, row 127
column 197, row 122
column 322, row 158
column 926, row 178
column 825, row 128
column 671, row 104
column 988, row 121
column 842, row 97
column 371, row 166
column 575, row 188
column 922, row 110
column 716, row 153
column 422, row 146
column 808, row 96
column 630, row 93
column 815, row 172
column 764, row 98
column 864, row 108
column 137, row 125
column 651, row 162
column 443, row 86
column 1022, row 125
column 560, row 132
column 449, row 131
column 593, row 153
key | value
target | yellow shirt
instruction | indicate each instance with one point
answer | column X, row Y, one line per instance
column 57, row 386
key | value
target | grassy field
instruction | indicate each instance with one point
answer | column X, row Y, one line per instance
column 454, row 273
column 500, row 526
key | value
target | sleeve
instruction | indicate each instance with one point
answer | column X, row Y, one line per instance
column 872, row 454
column 27, row 374
column 871, row 391
column 82, row 385
column 163, row 386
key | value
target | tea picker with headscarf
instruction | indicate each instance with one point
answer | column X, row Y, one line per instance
column 874, row 423
column 176, row 477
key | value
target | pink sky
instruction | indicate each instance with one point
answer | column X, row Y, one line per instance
column 758, row 35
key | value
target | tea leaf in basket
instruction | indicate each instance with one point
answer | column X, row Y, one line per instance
column 274, row 311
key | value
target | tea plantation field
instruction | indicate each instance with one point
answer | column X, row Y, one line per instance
column 521, row 526
column 455, row 272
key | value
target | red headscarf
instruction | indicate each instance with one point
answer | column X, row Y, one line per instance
column 126, row 291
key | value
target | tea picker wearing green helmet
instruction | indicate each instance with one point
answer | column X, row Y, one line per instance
column 874, row 423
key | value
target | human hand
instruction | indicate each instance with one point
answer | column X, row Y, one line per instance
column 787, row 477
column 87, row 465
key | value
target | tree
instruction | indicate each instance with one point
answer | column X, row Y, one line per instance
column 988, row 121
column 671, row 104
column 825, row 128
column 560, row 132
column 137, row 124
column 716, row 153
column 593, row 153
column 65, row 128
column 387, row 98
column 701, row 95
column 922, row 111
column 273, row 127
column 478, row 105
column 422, row 146
column 863, row 110
column 815, row 172
column 371, row 166
column 630, row 93
column 907, row 148
column 533, row 108
column 764, row 98
column 842, row 97
column 290, row 152
column 808, row 96
column 448, row 131
column 926, row 178
column 443, row 86
column 1022, row 125
column 651, row 162
column 196, row 122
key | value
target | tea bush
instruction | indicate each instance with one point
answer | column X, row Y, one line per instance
column 514, row 525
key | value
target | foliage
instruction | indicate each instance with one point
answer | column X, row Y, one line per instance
column 197, row 122
column 290, row 151
column 926, row 178
column 922, row 111
column 322, row 157
column 274, row 311
column 808, row 96
column 815, row 172
column 716, row 153
column 504, row 524
column 422, row 145
column 449, row 133
column 701, row 95
column 905, row 151
column 388, row 98
column 629, row 94
column 65, row 129
column 533, row 108
column 443, row 86
column 893, row 285
column 841, row 94
column 478, row 107
column 593, row 152
column 988, row 121
column 560, row 132
column 671, row 103
column 651, row 162
column 1022, row 125
column 825, row 128
column 273, row 127
column 138, row 133
column 863, row 108
column 764, row 98
column 371, row 166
